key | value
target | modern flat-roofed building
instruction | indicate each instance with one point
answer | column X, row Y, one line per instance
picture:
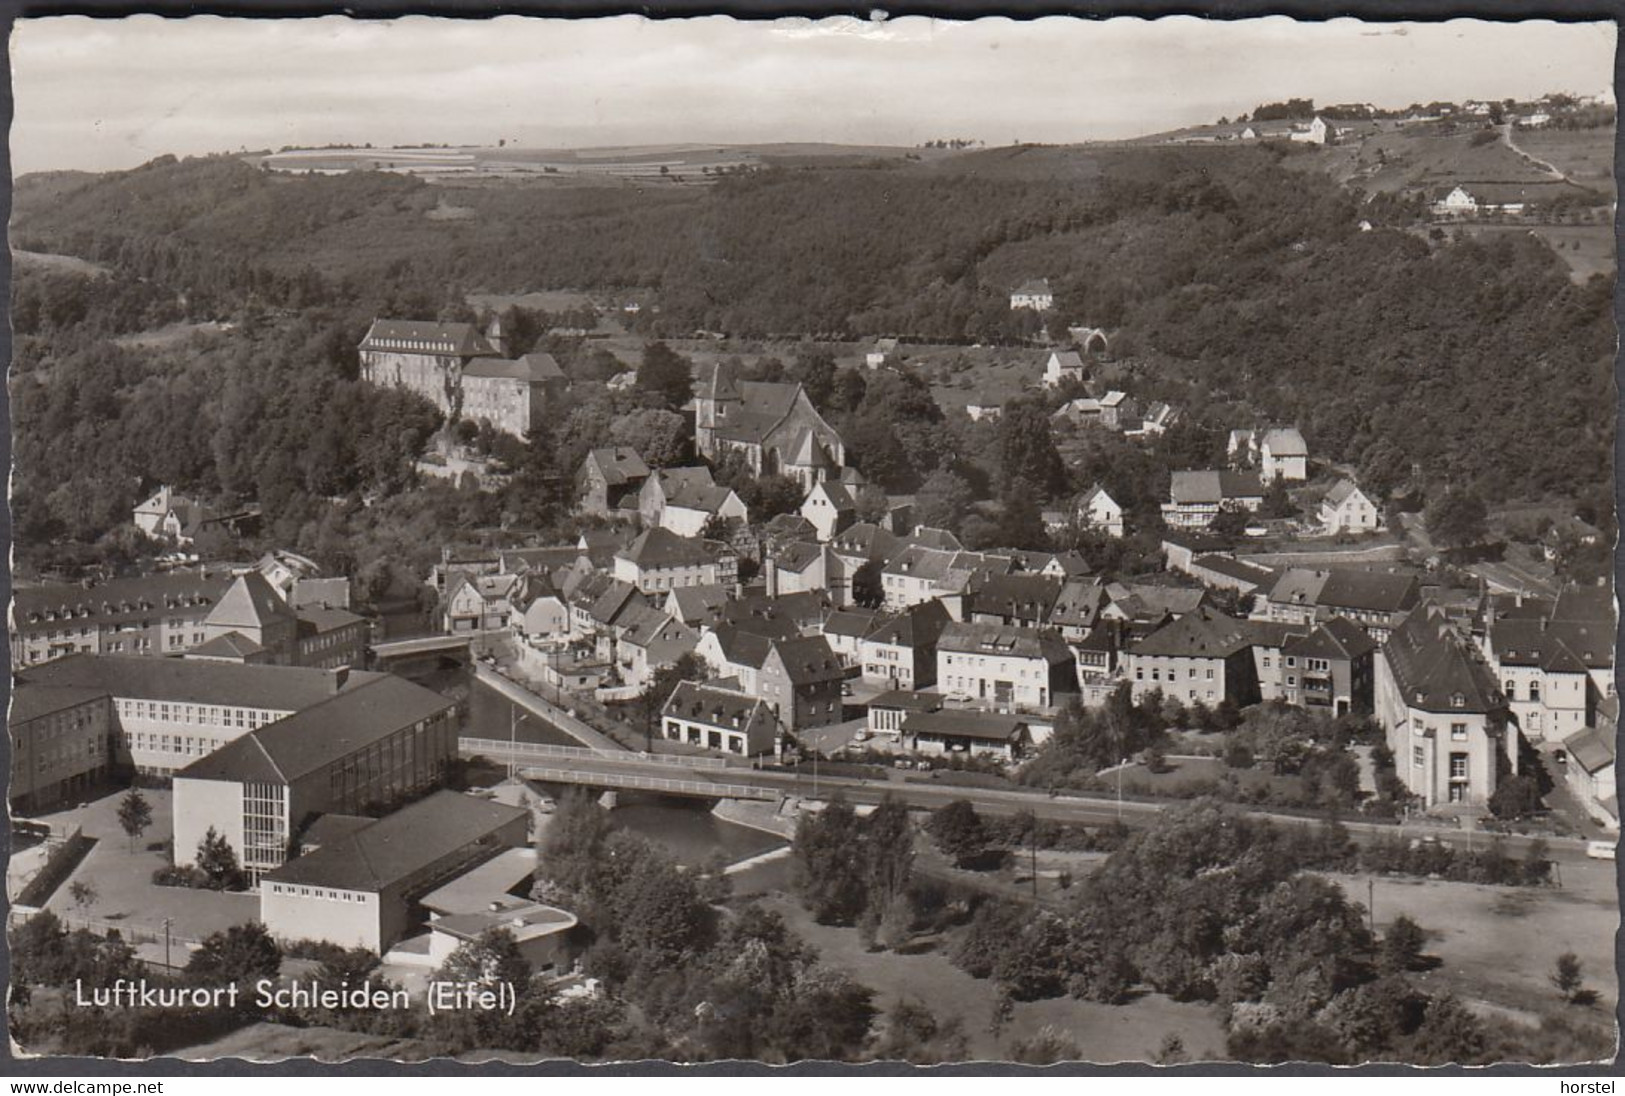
column 169, row 712
column 373, row 744
column 361, row 889
column 61, row 743
column 985, row 734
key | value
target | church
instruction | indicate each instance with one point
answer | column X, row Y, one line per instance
column 773, row 424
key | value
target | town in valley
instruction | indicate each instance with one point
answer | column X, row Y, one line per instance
column 1142, row 600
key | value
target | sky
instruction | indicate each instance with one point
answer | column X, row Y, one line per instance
column 110, row 94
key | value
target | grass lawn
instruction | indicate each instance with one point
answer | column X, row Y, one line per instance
column 265, row 1042
column 1185, row 773
column 1106, row 1033
column 1499, row 944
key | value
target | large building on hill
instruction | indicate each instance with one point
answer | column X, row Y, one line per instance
column 773, row 425
column 462, row 372
column 151, row 615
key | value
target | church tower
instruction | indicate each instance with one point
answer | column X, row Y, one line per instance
column 717, row 399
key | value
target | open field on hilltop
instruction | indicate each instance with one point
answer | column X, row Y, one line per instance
column 547, row 300
column 1584, row 155
column 56, row 264
column 1587, row 249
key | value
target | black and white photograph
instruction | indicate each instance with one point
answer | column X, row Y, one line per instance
column 773, row 541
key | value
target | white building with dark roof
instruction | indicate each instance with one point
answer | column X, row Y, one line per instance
column 1035, row 295
column 724, row 720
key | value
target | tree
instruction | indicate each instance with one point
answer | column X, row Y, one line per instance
column 83, row 893
column 1401, row 948
column 664, row 439
column 490, row 959
column 1567, row 976
column 830, row 870
column 1457, row 519
column 238, row 954
column 1516, row 797
column 957, row 830
column 134, row 815
column 1449, row 1034
column 1027, row 449
column 664, row 377
column 942, row 500
column 1229, row 523
column 867, row 589
column 218, row 862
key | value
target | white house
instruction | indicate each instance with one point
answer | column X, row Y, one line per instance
column 1003, row 666
column 1282, row 453
column 882, row 351
column 1317, row 132
column 1035, row 295
column 1098, row 510
column 1458, row 203
column 830, row 507
column 1346, row 509
column 983, row 411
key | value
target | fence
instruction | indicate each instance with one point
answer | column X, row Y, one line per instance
column 488, row 746
column 703, row 788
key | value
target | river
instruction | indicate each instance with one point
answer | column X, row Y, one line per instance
column 685, row 827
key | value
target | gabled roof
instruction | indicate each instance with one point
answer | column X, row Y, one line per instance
column 1591, row 749
column 745, row 648
column 1338, row 638
column 929, row 537
column 1284, row 442
column 838, row 495
column 660, row 548
column 618, row 597
column 283, row 751
column 1023, row 595
column 229, row 645
column 808, row 659
column 797, row 556
column 1034, row 285
column 853, row 622
column 1369, row 591
column 865, row 540
column 123, row 600
column 1526, row 642
column 1064, row 360
column 619, row 465
column 31, row 701
column 1238, row 569
column 718, row 707
column 1341, row 492
column 1196, row 635
column 426, row 337
column 929, row 564
column 766, row 615
column 696, row 603
column 1003, row 640
column 1298, row 586
column 250, row 602
column 988, row 726
column 399, row 846
column 1078, row 604
column 532, row 368
column 918, row 626
column 1200, row 486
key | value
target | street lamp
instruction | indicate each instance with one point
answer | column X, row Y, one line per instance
column 514, row 716
column 167, row 922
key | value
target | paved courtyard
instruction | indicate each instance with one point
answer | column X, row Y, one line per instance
column 126, row 896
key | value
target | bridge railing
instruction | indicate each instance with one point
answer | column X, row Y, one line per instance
column 651, row 783
column 499, row 746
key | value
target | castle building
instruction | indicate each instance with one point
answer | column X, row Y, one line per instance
column 461, row 371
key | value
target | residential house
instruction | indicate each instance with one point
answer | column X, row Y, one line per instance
column 1375, row 600
column 1021, row 598
column 978, row 734
column 720, row 719
column 541, row 615
column 480, row 604
column 800, row 680
column 830, row 507
column 1195, row 498
column 1347, row 509
column 1203, row 656
column 1589, row 768
column 900, row 650
column 660, row 560
column 697, row 606
column 845, row 629
column 1035, row 295
column 1331, row 668
column 1155, row 420
column 1555, row 669
column 1445, row 720
column 1099, row 512
column 1117, row 410
column 1282, row 454
column 984, row 412
column 881, row 353
column 1064, row 366
column 684, row 500
column 1004, row 666
column 172, row 517
column 1078, row 607
column 1082, row 411
column 610, row 480
column 649, row 640
column 911, row 576
column 773, row 425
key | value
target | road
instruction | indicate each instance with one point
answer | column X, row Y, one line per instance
column 1548, row 166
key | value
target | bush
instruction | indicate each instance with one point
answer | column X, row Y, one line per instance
column 172, row 876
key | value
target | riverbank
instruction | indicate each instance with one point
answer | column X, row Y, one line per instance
column 545, row 709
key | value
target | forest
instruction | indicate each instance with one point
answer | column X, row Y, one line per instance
column 1227, row 278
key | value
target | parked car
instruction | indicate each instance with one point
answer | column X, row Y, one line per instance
column 1600, row 850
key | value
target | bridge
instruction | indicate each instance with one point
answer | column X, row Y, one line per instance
column 702, row 777
column 425, row 645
